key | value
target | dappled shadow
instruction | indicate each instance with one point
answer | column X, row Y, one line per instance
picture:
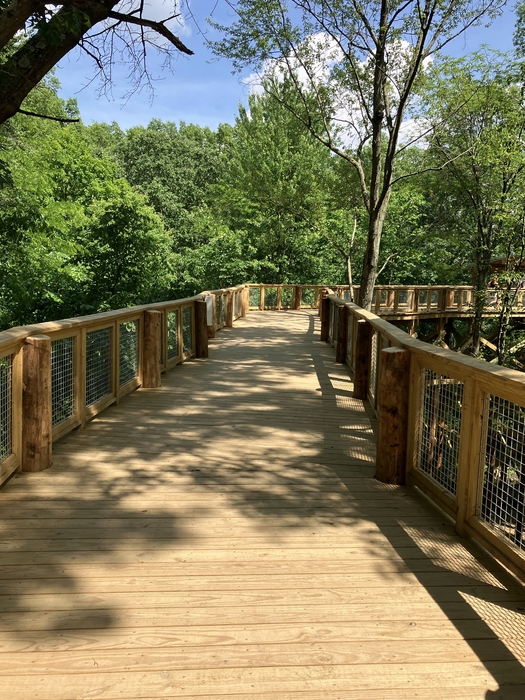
column 156, row 523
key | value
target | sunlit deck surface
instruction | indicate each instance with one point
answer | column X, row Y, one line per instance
column 223, row 537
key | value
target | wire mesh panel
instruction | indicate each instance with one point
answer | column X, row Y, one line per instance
column 218, row 310
column 255, row 297
column 501, row 502
column 62, row 379
column 287, row 297
column 223, row 309
column 173, row 334
column 98, row 365
column 434, row 299
column 349, row 340
column 331, row 323
column 308, row 297
column 372, row 377
column 423, row 296
column 336, row 324
column 128, row 351
column 6, row 406
column 403, row 297
column 270, row 296
column 187, row 330
column 439, row 423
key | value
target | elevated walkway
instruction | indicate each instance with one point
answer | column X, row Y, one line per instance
column 222, row 537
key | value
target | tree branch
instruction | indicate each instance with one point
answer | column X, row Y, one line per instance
column 159, row 27
column 65, row 120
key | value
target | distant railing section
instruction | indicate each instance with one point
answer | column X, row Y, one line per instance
column 57, row 375
column 452, row 425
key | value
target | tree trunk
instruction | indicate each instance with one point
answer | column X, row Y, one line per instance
column 480, row 296
column 369, row 275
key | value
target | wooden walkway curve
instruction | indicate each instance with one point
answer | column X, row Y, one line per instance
column 223, row 538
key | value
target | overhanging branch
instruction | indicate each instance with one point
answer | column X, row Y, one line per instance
column 158, row 27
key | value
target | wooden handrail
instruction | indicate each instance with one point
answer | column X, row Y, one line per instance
column 464, row 435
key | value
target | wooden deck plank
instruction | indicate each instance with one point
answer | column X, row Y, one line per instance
column 223, row 537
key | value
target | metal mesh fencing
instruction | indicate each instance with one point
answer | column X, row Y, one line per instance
column 98, row 365
column 187, row 334
column 439, row 424
column 128, row 351
column 287, row 297
column 270, row 296
column 423, row 296
column 255, row 296
column 62, row 379
column 501, row 503
column 403, row 297
column 6, row 406
column 349, row 340
column 336, row 324
column 218, row 312
column 223, row 309
column 372, row 377
column 434, row 299
column 331, row 323
column 173, row 334
column 308, row 297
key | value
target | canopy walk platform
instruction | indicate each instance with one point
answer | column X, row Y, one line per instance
column 222, row 537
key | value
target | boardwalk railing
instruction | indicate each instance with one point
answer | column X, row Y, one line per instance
column 452, row 425
column 55, row 376
column 396, row 300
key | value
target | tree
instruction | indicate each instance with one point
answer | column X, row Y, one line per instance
column 356, row 65
column 476, row 113
column 35, row 35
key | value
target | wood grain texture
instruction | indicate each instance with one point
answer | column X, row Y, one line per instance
column 223, row 537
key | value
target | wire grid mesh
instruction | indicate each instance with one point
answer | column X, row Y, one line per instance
column 349, row 340
column 161, row 353
column 218, row 311
column 173, row 334
column 6, row 406
column 403, row 297
column 223, row 309
column 502, row 498
column 287, row 297
column 434, row 298
column 439, row 423
column 331, row 323
column 187, row 334
column 308, row 297
column 372, row 377
column 270, row 296
column 98, row 365
column 128, row 351
column 255, row 296
column 423, row 296
column 336, row 324
column 62, row 379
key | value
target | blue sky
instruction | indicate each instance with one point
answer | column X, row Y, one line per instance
column 202, row 90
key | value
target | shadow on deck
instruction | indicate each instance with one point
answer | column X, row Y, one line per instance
column 223, row 536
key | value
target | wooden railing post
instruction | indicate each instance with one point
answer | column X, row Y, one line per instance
column 201, row 329
column 37, row 427
column 229, row 310
column 342, row 335
column 390, row 295
column 392, row 408
column 245, row 302
column 297, row 296
column 362, row 358
column 449, row 298
column 324, row 312
column 151, row 350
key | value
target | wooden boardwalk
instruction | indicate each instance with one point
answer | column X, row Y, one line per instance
column 223, row 538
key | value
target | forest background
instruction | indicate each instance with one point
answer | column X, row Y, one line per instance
column 95, row 217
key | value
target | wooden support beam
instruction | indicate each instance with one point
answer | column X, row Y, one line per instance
column 297, row 297
column 324, row 312
column 362, row 358
column 151, row 350
column 201, row 330
column 229, row 310
column 37, row 428
column 213, row 303
column 392, row 408
column 342, row 335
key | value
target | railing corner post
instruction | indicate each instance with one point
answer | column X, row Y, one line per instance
column 37, row 423
column 151, row 350
column 362, row 359
column 392, row 416
column 245, row 306
column 342, row 335
column 201, row 329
